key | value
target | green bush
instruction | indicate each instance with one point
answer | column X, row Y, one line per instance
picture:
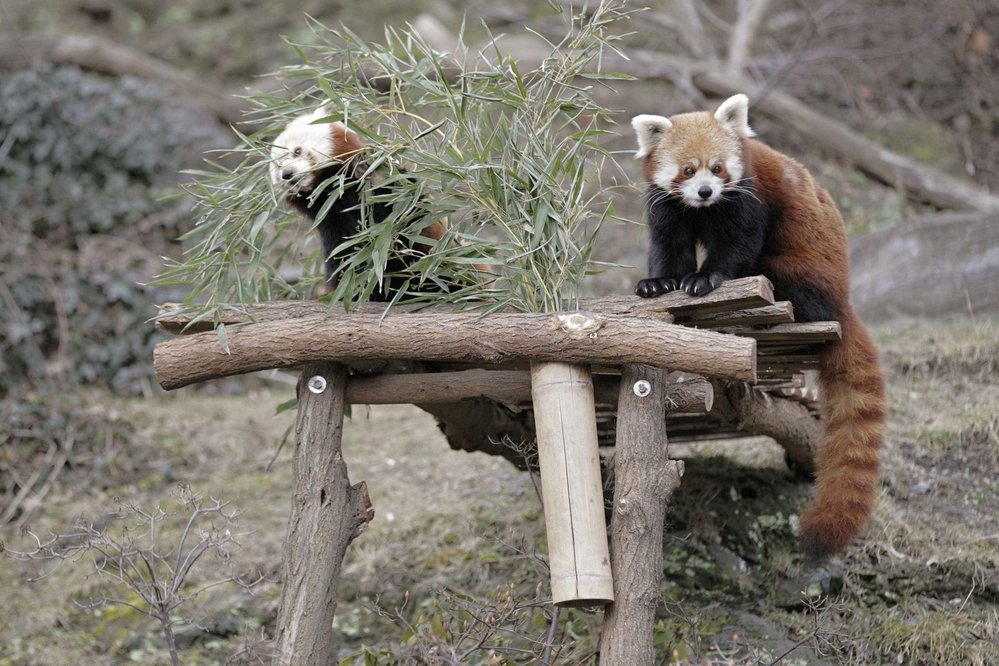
column 82, row 154
column 85, row 162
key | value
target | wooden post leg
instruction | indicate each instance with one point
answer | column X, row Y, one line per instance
column 569, row 462
column 644, row 481
column 327, row 513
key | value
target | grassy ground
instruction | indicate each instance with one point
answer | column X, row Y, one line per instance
column 459, row 535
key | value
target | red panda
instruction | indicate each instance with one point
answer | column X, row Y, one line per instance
column 722, row 205
column 306, row 154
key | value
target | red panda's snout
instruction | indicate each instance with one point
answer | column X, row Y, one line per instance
column 701, row 185
column 304, row 148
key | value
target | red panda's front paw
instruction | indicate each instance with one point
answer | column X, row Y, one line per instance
column 699, row 284
column 650, row 287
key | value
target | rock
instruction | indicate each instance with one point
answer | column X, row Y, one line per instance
column 927, row 267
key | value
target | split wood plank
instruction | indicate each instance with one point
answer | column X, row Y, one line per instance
column 750, row 292
column 807, row 332
column 780, row 312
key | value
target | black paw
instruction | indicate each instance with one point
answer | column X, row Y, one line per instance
column 650, row 287
column 699, row 284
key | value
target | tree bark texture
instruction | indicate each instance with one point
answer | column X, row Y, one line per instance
column 644, row 481
column 749, row 292
column 327, row 513
column 461, row 337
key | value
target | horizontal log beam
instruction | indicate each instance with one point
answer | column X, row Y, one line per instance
column 750, row 292
column 780, row 312
column 691, row 393
column 463, row 337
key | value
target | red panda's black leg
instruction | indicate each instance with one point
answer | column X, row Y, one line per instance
column 733, row 241
column 671, row 252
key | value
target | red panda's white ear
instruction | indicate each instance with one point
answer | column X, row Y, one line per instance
column 649, row 130
column 733, row 114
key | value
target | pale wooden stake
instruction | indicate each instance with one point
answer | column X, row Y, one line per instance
column 569, row 462
column 327, row 513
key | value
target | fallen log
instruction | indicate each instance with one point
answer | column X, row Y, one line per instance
column 101, row 55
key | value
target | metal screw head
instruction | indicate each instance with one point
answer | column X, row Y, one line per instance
column 317, row 384
column 642, row 388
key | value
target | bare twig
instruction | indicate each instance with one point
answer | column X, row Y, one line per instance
column 137, row 561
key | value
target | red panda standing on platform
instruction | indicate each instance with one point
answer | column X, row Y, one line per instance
column 308, row 153
column 722, row 205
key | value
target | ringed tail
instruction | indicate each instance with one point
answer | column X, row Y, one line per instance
column 848, row 461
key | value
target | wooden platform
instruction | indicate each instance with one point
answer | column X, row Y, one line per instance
column 478, row 400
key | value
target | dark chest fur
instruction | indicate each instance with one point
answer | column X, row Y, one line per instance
column 739, row 237
column 340, row 221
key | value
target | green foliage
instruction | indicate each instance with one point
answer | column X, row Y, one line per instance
column 511, row 158
column 81, row 154
column 84, row 164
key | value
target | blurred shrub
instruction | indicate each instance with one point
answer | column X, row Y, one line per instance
column 81, row 153
column 58, row 438
column 85, row 163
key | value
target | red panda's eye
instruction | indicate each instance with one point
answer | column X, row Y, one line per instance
column 688, row 171
column 297, row 152
column 716, row 169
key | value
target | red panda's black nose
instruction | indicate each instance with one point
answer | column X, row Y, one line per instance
column 704, row 192
column 287, row 174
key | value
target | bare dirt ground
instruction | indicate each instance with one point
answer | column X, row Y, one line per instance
column 465, row 531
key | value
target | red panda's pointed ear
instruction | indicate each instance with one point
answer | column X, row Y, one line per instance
column 649, row 130
column 733, row 114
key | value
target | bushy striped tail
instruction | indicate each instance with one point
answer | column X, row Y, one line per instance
column 848, row 464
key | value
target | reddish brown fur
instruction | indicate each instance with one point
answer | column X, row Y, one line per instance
column 814, row 251
column 811, row 251
column 346, row 144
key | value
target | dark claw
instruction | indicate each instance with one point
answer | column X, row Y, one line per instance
column 651, row 287
column 700, row 284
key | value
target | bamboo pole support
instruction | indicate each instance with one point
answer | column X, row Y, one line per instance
column 569, row 462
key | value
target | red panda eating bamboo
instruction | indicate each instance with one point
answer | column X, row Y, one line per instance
column 722, row 205
column 309, row 152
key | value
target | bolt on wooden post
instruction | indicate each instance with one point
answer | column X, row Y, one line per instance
column 569, row 461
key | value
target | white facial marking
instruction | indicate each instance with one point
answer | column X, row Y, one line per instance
column 299, row 149
column 734, row 167
column 690, row 189
column 664, row 175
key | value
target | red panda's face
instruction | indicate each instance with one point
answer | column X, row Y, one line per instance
column 303, row 147
column 695, row 156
